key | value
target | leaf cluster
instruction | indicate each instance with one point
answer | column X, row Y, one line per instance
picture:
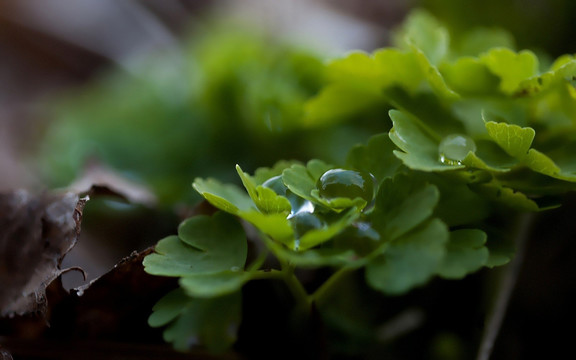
column 516, row 111
column 473, row 130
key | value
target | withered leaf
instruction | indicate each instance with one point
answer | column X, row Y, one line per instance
column 35, row 234
column 97, row 179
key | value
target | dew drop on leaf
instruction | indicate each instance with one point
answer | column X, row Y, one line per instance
column 454, row 148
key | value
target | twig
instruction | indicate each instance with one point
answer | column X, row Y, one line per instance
column 505, row 289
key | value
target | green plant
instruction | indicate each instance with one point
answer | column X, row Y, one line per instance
column 479, row 134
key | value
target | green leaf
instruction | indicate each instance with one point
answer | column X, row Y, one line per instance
column 419, row 147
column 435, row 79
column 400, row 68
column 465, row 253
column 376, row 157
column 338, row 203
column 402, row 203
column 513, row 139
column 316, row 237
column 490, row 157
column 214, row 284
column 314, row 258
column 541, row 163
column 301, row 180
column 265, row 199
column 355, row 83
column 226, row 197
column 409, row 261
column 210, row 322
column 505, row 196
column 357, row 68
column 470, row 76
column 423, row 31
column 511, row 67
column 168, row 308
column 276, row 226
column 458, row 204
column 204, row 245
column 338, row 102
column 263, row 173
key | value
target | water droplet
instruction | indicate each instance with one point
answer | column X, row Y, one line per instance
column 454, row 148
column 301, row 207
column 296, row 244
column 235, row 269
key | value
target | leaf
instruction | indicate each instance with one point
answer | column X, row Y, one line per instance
column 204, row 245
column 276, row 226
column 505, row 196
column 338, row 203
column 490, row 157
column 357, row 68
column 511, row 67
column 402, row 203
column 376, row 157
column 469, row 76
column 315, row 257
column 338, row 102
column 458, row 204
column 409, row 261
column 513, row 139
column 541, row 163
column 168, row 308
column 36, row 232
column 354, row 84
column 228, row 198
column 210, row 322
column 263, row 173
column 214, row 284
column 419, row 148
column 316, row 237
column 400, row 68
column 301, row 180
column 465, row 253
column 424, row 32
column 265, row 199
column 99, row 179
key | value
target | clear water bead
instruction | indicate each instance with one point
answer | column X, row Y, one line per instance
column 454, row 148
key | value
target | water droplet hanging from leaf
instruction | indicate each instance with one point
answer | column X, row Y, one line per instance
column 454, row 148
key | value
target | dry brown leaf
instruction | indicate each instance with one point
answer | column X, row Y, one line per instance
column 35, row 234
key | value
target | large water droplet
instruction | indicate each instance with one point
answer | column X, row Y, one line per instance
column 454, row 148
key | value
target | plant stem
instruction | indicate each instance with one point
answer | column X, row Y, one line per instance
column 297, row 290
column 326, row 288
column 505, row 288
column 287, row 275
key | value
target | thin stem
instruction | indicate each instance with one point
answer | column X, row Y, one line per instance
column 326, row 288
column 287, row 275
column 298, row 291
column 505, row 289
